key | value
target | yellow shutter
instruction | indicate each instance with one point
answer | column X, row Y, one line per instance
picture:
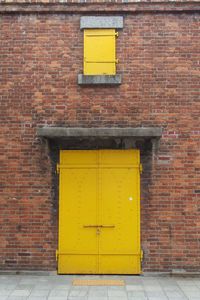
column 99, row 52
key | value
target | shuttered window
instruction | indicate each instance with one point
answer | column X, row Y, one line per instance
column 100, row 52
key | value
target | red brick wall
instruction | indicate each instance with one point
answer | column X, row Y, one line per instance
column 41, row 56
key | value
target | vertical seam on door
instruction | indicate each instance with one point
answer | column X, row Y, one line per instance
column 138, row 209
column 59, row 202
column 97, row 207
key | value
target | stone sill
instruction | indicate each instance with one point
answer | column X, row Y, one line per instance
column 99, row 79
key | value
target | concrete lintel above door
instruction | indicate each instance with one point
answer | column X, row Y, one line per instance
column 103, row 132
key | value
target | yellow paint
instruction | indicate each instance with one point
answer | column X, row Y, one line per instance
column 98, row 282
column 99, row 212
column 99, row 52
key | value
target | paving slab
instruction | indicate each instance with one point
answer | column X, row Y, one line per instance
column 55, row 287
column 20, row 293
column 37, row 298
column 39, row 293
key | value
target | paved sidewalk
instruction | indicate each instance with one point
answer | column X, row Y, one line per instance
column 21, row 287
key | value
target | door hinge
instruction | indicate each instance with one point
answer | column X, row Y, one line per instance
column 141, row 255
column 57, row 168
column 56, row 254
column 141, row 168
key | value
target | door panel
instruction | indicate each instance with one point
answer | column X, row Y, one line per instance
column 119, row 207
column 78, row 264
column 118, row 264
column 99, row 188
column 119, row 157
column 78, row 245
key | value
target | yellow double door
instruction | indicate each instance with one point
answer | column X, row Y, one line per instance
column 99, row 212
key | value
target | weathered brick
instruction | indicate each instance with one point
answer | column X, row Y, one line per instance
column 41, row 56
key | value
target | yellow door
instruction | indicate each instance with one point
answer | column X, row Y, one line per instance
column 99, row 212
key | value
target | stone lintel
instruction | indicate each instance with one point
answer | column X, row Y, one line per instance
column 101, row 22
column 99, row 79
column 70, row 132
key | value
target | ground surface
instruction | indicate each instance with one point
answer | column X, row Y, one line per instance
column 21, row 287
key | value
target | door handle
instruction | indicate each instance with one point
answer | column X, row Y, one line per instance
column 88, row 226
column 107, row 226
